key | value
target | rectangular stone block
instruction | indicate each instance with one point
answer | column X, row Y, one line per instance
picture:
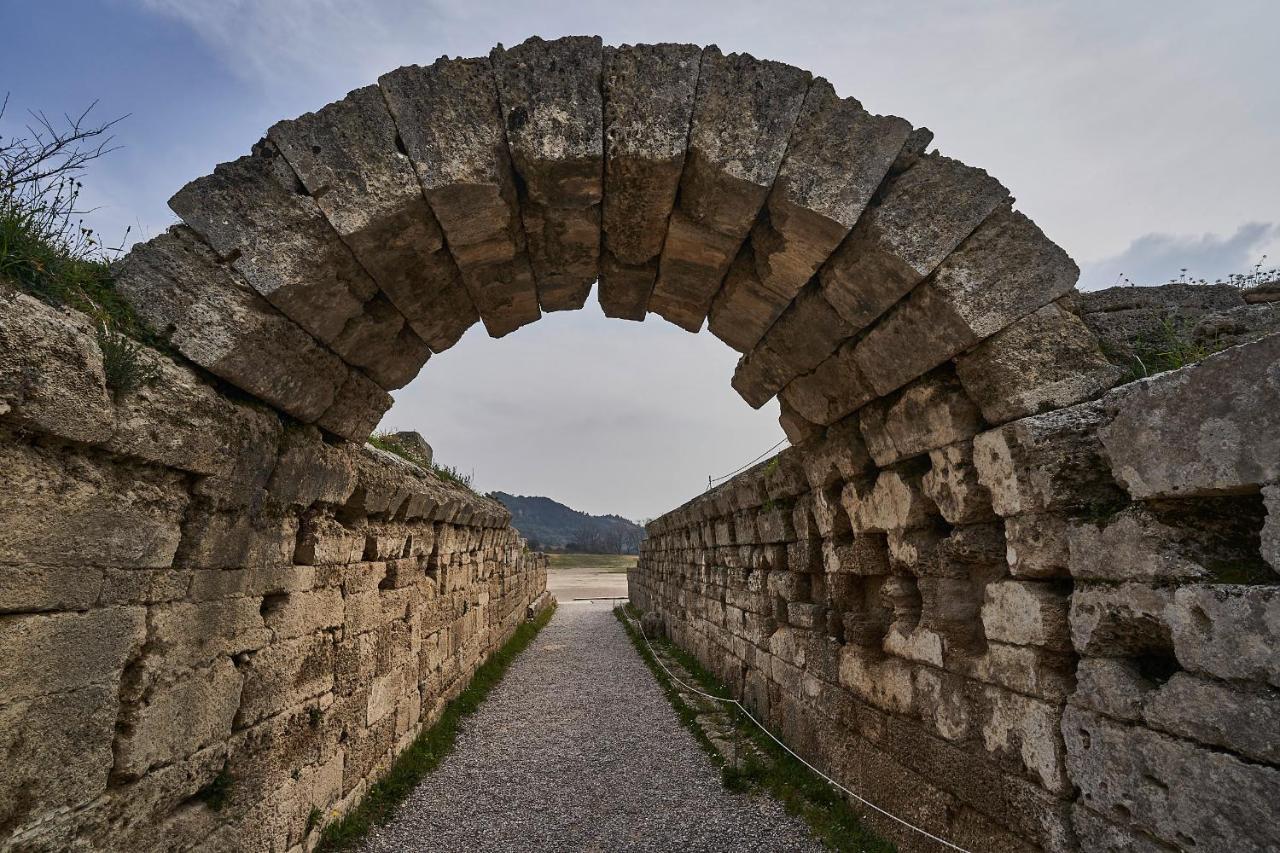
column 347, row 156
column 1239, row 718
column 453, row 130
column 952, row 484
column 931, row 412
column 52, row 653
column 1127, row 620
column 1227, row 631
column 648, row 105
column 550, row 94
column 802, row 337
column 742, row 105
column 1027, row 731
column 1005, row 270
column 1027, row 613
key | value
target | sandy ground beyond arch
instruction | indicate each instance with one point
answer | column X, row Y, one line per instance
column 578, row 749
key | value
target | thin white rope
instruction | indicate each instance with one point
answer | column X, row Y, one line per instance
column 776, row 740
column 711, row 480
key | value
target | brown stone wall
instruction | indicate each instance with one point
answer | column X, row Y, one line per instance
column 214, row 620
column 1060, row 633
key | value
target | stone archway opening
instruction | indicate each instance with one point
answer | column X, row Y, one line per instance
column 982, row 588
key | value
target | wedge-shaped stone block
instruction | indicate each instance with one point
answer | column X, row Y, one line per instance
column 837, row 155
column 348, row 157
column 1047, row 360
column 923, row 216
column 256, row 214
column 176, row 285
column 66, row 506
column 1227, row 631
column 51, row 375
column 759, row 376
column 648, row 106
column 840, row 456
column 1004, row 271
column 929, row 413
column 551, row 103
column 1047, row 462
column 802, row 338
column 832, row 391
column 1188, row 796
column 452, row 128
column 1210, row 428
column 742, row 117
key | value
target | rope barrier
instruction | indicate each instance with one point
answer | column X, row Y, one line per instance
column 711, row 479
column 775, row 739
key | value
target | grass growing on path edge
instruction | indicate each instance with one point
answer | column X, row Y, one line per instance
column 430, row 747
column 802, row 792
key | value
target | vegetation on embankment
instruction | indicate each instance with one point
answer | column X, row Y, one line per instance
column 602, row 562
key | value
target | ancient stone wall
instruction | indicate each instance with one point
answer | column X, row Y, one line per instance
column 217, row 626
column 1059, row 633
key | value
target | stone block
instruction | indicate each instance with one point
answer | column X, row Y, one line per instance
column 1115, row 687
column 196, row 634
column 59, row 506
column 297, row 614
column 802, row 337
column 1027, row 613
column 945, row 706
column 952, row 484
column 1243, row 719
column 311, row 471
column 1029, row 670
column 285, row 674
column 833, row 390
column 453, row 130
column 1185, row 795
column 1227, row 631
column 894, row 501
column 347, row 156
column 883, row 682
column 1005, row 270
column 1026, row 730
column 51, row 375
column 864, row 555
column 1096, row 833
column 743, row 114
column 1037, row 545
column 212, row 539
column 930, row 413
column 840, row 456
column 1047, row 462
column 648, row 106
column 924, row 214
column 1126, row 620
column 30, row 589
column 57, row 652
column 550, row 95
column 1046, row 360
column 356, row 409
column 1207, row 429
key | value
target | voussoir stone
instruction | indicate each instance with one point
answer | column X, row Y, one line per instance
column 836, row 157
column 802, row 337
column 452, row 127
column 176, row 284
column 648, row 104
column 348, row 157
column 742, row 118
column 551, row 103
column 1005, row 270
column 834, row 389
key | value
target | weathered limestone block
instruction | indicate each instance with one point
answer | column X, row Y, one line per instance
column 920, row 644
column 356, row 408
column 550, row 93
column 1209, row 541
column 57, row 652
column 840, row 456
column 924, row 215
column 1037, row 545
column 1206, row 429
column 176, row 284
column 311, row 471
column 51, row 376
column 864, row 555
column 832, row 391
column 216, row 539
column 179, row 715
column 1099, row 835
column 1227, row 631
column 797, row 430
column 1026, row 730
column 836, row 157
column 1242, row 719
column 1127, row 620
column 1029, row 670
column 30, row 589
column 648, row 106
column 252, row 213
column 1005, row 270
column 946, row 709
column 57, row 754
column 1047, row 360
column 894, row 501
column 929, row 413
column 347, row 157
column 297, row 614
column 284, row 674
column 67, row 506
column 1115, row 687
column 1047, row 462
column 453, row 130
column 952, row 484
column 1186, row 795
column 760, row 375
column 1027, row 613
column 197, row 634
column 883, row 682
column 802, row 337
column 743, row 114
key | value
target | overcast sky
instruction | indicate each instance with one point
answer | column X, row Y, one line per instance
column 1140, row 135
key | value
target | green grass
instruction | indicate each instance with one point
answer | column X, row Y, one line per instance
column 429, row 748
column 603, row 562
column 445, row 472
column 799, row 789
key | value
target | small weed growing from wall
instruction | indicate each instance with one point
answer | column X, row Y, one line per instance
column 448, row 473
column 123, row 362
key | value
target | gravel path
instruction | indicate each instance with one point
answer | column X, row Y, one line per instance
column 578, row 749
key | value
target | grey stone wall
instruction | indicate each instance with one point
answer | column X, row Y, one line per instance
column 214, row 620
column 1061, row 633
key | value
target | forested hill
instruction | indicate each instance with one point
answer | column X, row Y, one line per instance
column 550, row 525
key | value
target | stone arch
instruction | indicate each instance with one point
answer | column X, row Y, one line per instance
column 822, row 242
